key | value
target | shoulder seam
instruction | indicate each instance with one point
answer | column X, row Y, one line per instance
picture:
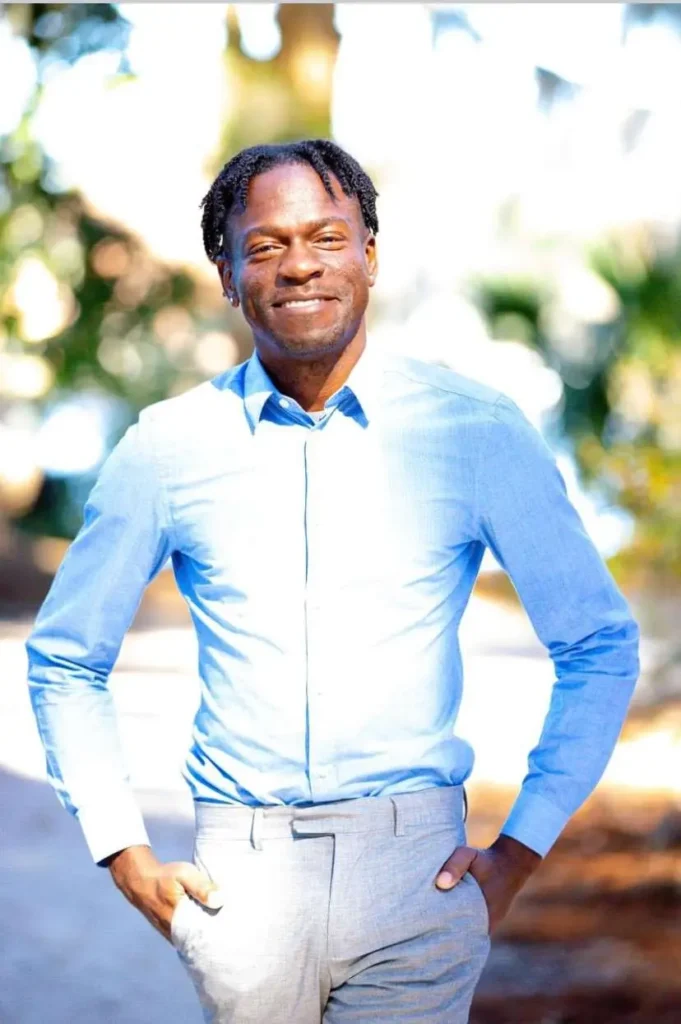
column 439, row 387
column 499, row 401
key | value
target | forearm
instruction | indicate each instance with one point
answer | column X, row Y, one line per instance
column 595, row 681
column 77, row 723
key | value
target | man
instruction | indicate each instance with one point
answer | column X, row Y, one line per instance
column 326, row 508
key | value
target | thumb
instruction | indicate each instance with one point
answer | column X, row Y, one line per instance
column 198, row 885
column 453, row 870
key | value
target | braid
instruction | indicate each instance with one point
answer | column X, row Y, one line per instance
column 229, row 191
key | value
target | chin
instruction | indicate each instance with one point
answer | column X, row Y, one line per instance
column 321, row 344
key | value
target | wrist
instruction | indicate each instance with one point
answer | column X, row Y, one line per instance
column 131, row 859
column 522, row 857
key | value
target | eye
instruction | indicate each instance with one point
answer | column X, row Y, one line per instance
column 261, row 248
column 330, row 238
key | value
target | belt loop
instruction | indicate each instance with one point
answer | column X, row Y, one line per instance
column 465, row 804
column 397, row 815
column 256, row 823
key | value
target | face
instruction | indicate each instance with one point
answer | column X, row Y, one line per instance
column 301, row 264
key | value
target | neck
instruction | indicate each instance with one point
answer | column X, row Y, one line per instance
column 312, row 383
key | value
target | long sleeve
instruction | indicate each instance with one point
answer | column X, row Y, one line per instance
column 124, row 542
column 578, row 613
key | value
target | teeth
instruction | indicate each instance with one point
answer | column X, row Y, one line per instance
column 303, row 302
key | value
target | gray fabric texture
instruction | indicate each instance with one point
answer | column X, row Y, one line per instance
column 331, row 913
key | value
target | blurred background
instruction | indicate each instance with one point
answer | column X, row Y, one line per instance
column 528, row 159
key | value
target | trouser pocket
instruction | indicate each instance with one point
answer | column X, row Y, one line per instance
column 482, row 900
column 176, row 921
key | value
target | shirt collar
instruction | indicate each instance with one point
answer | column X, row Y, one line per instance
column 258, row 387
column 363, row 382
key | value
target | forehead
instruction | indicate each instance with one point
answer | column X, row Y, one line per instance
column 291, row 195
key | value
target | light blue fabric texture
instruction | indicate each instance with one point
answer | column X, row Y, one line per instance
column 326, row 566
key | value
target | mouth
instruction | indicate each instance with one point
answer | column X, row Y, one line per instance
column 305, row 305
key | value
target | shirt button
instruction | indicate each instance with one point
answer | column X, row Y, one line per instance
column 284, row 403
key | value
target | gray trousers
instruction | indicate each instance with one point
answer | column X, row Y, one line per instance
column 331, row 913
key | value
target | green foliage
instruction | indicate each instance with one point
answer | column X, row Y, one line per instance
column 67, row 32
column 622, row 402
column 110, row 339
column 288, row 97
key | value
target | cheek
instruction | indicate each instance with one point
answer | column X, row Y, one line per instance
column 358, row 286
column 353, row 276
column 253, row 292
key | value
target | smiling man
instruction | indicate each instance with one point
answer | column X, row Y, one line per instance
column 326, row 508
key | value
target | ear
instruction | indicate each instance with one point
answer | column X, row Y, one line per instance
column 224, row 268
column 371, row 258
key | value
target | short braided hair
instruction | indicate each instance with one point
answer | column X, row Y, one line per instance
column 229, row 191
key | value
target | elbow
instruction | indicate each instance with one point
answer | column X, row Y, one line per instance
column 613, row 650
column 52, row 673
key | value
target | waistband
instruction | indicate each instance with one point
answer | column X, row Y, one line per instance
column 431, row 806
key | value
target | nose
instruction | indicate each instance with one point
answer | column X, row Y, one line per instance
column 299, row 263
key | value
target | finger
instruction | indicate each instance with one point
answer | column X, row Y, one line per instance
column 198, row 885
column 453, row 870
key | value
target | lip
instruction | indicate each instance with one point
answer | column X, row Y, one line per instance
column 303, row 302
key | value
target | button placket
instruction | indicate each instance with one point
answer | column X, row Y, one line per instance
column 318, row 772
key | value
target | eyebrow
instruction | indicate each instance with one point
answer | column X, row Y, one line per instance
column 314, row 225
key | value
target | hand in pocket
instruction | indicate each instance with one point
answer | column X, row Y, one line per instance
column 500, row 871
column 156, row 889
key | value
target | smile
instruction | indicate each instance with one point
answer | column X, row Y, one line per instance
column 302, row 303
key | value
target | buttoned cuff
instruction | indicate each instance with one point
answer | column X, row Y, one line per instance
column 535, row 821
column 112, row 825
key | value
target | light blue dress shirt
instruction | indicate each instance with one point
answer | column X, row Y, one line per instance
column 326, row 566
